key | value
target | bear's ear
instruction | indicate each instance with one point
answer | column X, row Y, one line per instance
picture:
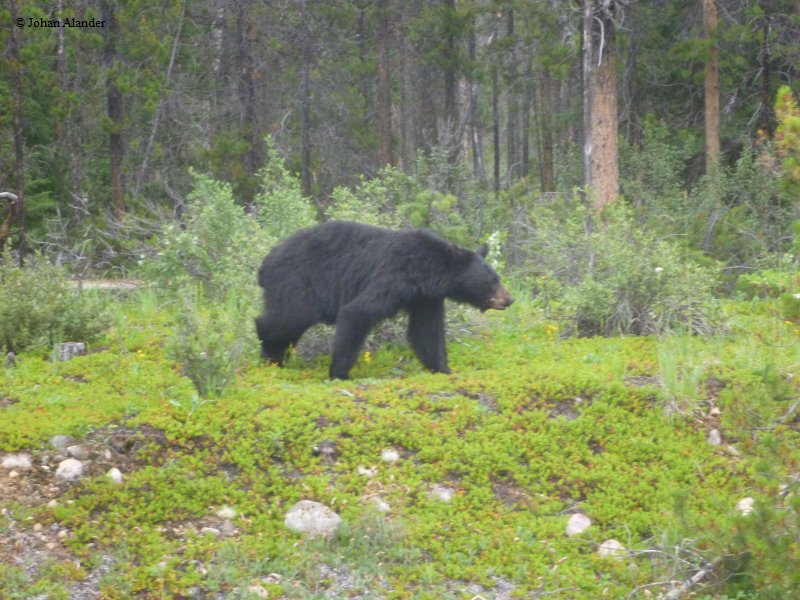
column 483, row 250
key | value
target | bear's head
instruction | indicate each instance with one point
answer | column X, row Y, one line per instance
column 479, row 285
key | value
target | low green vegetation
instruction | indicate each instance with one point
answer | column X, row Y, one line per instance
column 528, row 430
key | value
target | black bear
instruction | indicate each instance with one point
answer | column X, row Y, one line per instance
column 355, row 275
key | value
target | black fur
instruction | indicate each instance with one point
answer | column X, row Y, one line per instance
column 355, row 275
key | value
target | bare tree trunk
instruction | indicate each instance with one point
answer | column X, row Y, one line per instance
column 527, row 89
column 496, row 129
column 451, row 115
column 601, row 152
column 711, row 84
column 546, row 130
column 16, row 205
column 587, row 36
column 478, row 169
column 248, row 74
column 115, row 112
column 512, row 108
column 306, row 174
column 384, row 86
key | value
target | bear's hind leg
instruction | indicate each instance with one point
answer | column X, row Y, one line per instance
column 352, row 326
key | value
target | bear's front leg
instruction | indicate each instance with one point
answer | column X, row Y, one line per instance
column 426, row 334
column 352, row 326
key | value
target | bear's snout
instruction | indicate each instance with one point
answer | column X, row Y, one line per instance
column 501, row 299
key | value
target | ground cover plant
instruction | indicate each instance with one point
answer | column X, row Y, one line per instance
column 449, row 486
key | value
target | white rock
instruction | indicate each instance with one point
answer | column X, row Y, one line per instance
column 445, row 494
column 714, row 438
column 577, row 523
column 258, row 591
column 745, row 506
column 312, row 518
column 53, row 503
column 16, row 461
column 714, row 412
column 367, row 472
column 77, row 451
column 390, row 455
column 115, row 475
column 69, row 469
column 60, row 442
column 380, row 504
column 212, row 531
column 226, row 512
column 611, row 548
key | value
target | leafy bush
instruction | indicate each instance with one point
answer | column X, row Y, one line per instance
column 280, row 207
column 210, row 340
column 219, row 247
column 38, row 308
column 615, row 277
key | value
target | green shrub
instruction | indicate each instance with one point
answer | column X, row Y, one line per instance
column 38, row 308
column 219, row 246
column 280, row 207
column 614, row 276
column 210, row 340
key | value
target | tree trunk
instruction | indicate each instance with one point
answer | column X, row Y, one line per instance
column 546, row 130
column 16, row 205
column 601, row 153
column 496, row 129
column 306, row 174
column 114, row 111
column 384, row 86
column 478, row 169
column 248, row 75
column 711, row 84
column 451, row 116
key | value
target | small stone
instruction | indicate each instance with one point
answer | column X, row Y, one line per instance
column 714, row 412
column 226, row 512
column 37, row 527
column 577, row 524
column 115, row 475
column 60, row 442
column 69, row 469
column 714, row 437
column 380, row 504
column 367, row 472
column 16, row 461
column 13, row 475
column 63, row 533
column 212, row 531
column 390, row 455
column 53, row 503
column 312, row 518
column 611, row 548
column 745, row 506
column 258, row 591
column 77, row 451
column 445, row 494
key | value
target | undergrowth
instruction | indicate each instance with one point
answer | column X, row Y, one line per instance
column 529, row 429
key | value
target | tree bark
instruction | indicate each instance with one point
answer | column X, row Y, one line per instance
column 306, row 174
column 16, row 205
column 546, row 130
column 384, row 86
column 711, row 84
column 115, row 112
column 601, row 152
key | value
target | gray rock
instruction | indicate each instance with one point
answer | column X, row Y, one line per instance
column 312, row 519
column 69, row 469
